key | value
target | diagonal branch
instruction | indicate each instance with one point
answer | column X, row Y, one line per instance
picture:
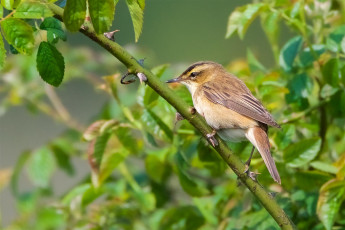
column 195, row 119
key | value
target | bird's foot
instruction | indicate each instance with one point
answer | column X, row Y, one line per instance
column 212, row 139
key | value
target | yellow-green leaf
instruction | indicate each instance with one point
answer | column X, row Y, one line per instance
column 102, row 14
column 32, row 10
column 74, row 14
column 137, row 15
column 19, row 34
column 8, row 4
column 2, row 52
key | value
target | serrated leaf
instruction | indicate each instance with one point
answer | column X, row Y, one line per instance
column 19, row 34
column 241, row 18
column 102, row 14
column 41, row 166
column 54, row 30
column 74, row 14
column 330, row 199
column 50, row 64
column 302, row 152
column 7, row 4
column 137, row 15
column 30, row 9
column 289, row 53
column 2, row 52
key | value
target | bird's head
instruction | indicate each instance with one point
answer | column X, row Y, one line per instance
column 198, row 73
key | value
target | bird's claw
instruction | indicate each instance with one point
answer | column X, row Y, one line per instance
column 212, row 139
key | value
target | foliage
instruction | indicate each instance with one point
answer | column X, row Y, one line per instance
column 147, row 173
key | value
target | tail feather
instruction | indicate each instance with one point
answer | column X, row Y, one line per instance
column 258, row 137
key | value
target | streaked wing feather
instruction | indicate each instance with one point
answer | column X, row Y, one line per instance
column 245, row 103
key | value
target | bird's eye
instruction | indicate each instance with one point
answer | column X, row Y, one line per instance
column 194, row 74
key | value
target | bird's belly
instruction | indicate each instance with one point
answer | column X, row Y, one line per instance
column 233, row 135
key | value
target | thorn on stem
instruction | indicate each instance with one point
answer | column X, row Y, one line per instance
column 111, row 35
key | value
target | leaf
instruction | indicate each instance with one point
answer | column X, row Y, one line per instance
column 289, row 53
column 7, row 4
column 324, row 167
column 74, row 14
column 19, row 34
column 161, row 124
column 241, row 18
column 157, row 169
column 102, row 14
column 99, row 147
column 54, row 30
column 307, row 57
column 182, row 218
column 254, row 64
column 128, row 141
column 270, row 24
column 109, row 163
column 342, row 44
column 300, row 86
column 40, row 167
column 302, row 152
column 330, row 199
column 334, row 41
column 77, row 191
column 1, row 12
column 62, row 158
column 50, row 64
column 22, row 159
column 333, row 106
column 328, row 91
column 2, row 53
column 30, row 9
column 137, row 14
column 331, row 72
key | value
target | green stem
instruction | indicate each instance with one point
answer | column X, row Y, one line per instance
column 268, row 202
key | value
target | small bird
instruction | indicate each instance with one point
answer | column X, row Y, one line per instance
column 229, row 108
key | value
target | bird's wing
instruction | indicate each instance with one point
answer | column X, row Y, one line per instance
column 234, row 94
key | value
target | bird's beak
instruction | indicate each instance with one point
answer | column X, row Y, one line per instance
column 178, row 79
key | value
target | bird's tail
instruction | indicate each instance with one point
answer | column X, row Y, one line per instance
column 258, row 137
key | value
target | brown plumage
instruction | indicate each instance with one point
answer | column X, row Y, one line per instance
column 230, row 108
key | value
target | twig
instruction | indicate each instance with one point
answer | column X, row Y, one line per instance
column 196, row 120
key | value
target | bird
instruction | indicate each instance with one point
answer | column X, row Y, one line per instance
column 230, row 108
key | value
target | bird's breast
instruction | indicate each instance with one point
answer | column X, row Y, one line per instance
column 219, row 116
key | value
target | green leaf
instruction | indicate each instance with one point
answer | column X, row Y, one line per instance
column 128, row 141
column 137, row 14
column 334, row 41
column 54, row 30
column 102, row 14
column 157, row 169
column 324, row 167
column 331, row 72
column 307, row 57
column 19, row 34
column 182, row 218
column 332, row 194
column 254, row 64
column 74, row 193
column 300, row 86
column 328, row 91
column 1, row 12
column 168, row 132
column 241, row 18
column 22, row 159
column 7, row 4
column 302, row 152
column 62, row 157
column 2, row 52
column 28, row 9
column 109, row 163
column 333, row 106
column 41, row 166
column 270, row 24
column 74, row 14
column 289, row 53
column 50, row 64
column 99, row 147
